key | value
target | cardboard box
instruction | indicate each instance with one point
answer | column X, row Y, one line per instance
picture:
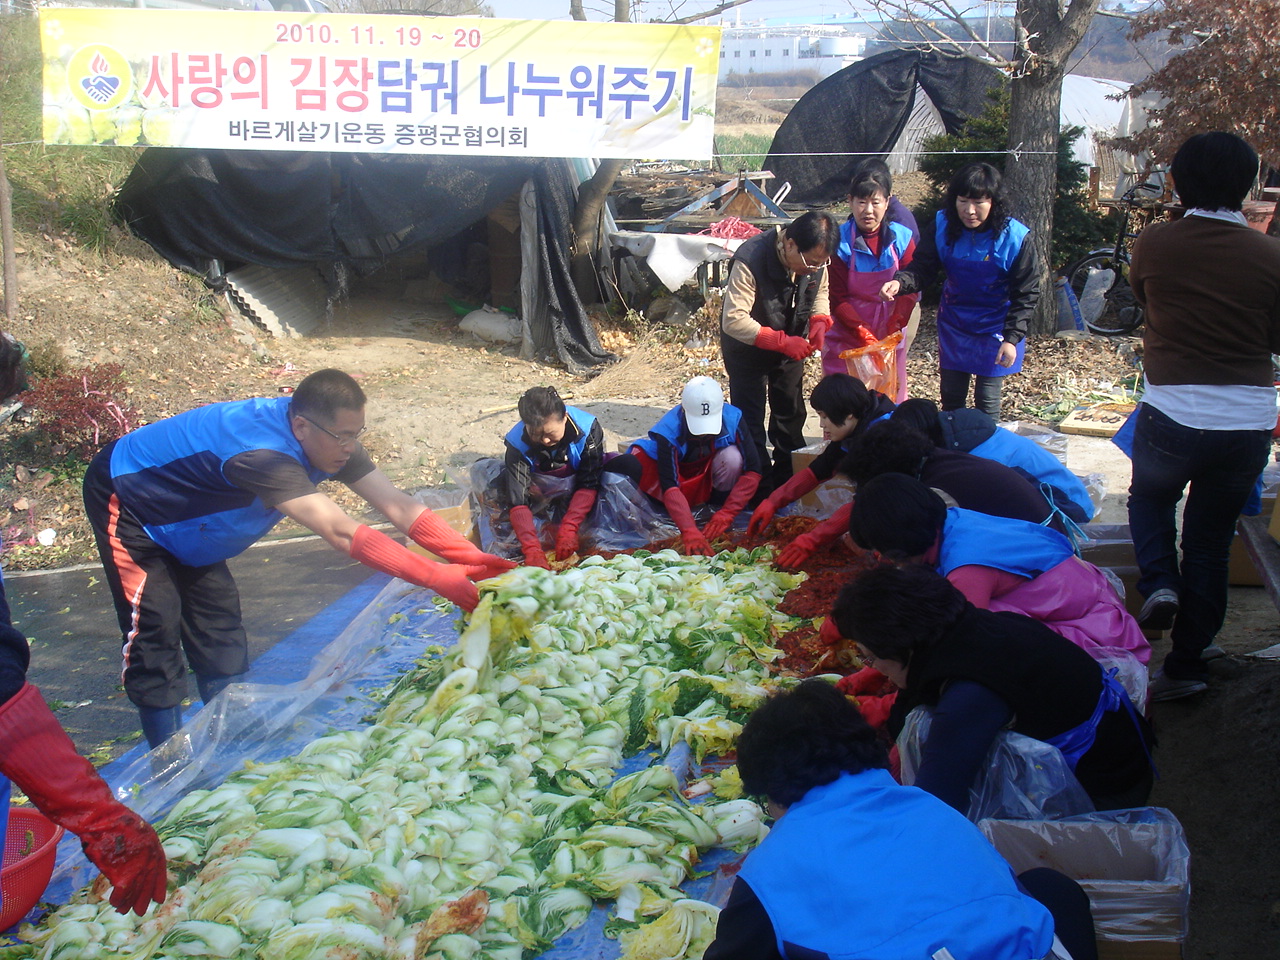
column 1114, row 550
column 836, row 491
column 458, row 517
column 1133, row 864
column 1274, row 529
column 1139, row 950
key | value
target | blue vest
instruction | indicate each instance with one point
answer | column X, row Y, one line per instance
column 865, row 868
column 580, row 418
column 1007, row 447
column 1015, row 546
column 169, row 475
column 854, row 251
column 671, row 427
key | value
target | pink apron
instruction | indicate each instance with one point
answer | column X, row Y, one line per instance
column 1075, row 600
column 877, row 316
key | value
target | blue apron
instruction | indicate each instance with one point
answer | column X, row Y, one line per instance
column 1076, row 742
column 971, row 319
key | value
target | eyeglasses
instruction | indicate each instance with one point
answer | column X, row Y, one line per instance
column 805, row 260
column 345, row 441
column 864, row 658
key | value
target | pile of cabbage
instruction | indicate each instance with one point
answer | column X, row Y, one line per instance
column 480, row 816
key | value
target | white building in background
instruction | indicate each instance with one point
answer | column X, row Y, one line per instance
column 757, row 48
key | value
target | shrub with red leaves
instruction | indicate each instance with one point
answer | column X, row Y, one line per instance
column 84, row 410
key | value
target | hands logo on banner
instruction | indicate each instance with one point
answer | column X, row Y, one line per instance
column 100, row 86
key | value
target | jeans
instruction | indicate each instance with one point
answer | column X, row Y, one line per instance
column 1220, row 468
column 953, row 388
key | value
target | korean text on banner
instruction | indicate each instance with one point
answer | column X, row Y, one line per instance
column 375, row 84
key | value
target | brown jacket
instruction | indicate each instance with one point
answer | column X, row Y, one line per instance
column 1211, row 291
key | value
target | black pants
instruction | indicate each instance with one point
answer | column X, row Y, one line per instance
column 953, row 388
column 165, row 608
column 1068, row 904
column 758, row 376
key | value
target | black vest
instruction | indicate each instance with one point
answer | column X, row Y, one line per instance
column 783, row 301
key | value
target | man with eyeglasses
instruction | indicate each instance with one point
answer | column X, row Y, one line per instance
column 776, row 313
column 171, row 502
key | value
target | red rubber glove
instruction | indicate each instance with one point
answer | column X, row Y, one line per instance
column 795, row 488
column 818, row 327
column 695, row 544
column 450, row 580
column 847, row 314
column 432, row 533
column 824, row 534
column 865, row 335
column 866, row 682
column 875, row 710
column 829, row 634
column 527, row 534
column 37, row 755
column 797, row 348
column 738, row 498
column 580, row 505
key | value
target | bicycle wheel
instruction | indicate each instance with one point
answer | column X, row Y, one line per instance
column 1107, row 305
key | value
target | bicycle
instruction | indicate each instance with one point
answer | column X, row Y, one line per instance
column 1100, row 281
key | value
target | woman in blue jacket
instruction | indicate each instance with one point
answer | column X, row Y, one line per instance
column 990, row 292
column 858, row 866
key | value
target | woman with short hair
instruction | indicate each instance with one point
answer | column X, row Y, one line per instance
column 858, row 866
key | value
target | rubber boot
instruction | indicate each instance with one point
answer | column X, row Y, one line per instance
column 159, row 723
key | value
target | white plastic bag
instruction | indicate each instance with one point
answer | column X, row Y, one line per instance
column 492, row 326
column 1093, row 300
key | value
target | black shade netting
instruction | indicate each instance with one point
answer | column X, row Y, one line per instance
column 863, row 109
column 201, row 209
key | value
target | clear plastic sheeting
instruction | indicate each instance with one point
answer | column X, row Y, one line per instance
column 1023, row 778
column 1142, row 855
column 261, row 721
column 623, row 518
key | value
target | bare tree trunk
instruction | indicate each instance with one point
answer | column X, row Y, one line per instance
column 591, row 199
column 576, row 11
column 586, row 229
column 6, row 241
column 1031, row 171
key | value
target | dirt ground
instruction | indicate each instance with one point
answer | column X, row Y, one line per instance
column 439, row 399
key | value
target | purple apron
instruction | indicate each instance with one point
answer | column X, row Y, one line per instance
column 876, row 315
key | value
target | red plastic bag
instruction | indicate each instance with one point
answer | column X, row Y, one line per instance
column 874, row 365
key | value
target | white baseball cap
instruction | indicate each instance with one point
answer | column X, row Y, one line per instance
column 703, row 401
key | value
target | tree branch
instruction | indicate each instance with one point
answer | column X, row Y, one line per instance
column 720, row 8
column 931, row 36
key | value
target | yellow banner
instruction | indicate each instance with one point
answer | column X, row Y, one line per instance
column 375, row 84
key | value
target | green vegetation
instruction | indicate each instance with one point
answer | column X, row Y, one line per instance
column 1076, row 228
column 56, row 190
column 788, row 78
column 746, row 152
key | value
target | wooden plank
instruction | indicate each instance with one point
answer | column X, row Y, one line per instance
column 1265, row 553
column 1097, row 419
